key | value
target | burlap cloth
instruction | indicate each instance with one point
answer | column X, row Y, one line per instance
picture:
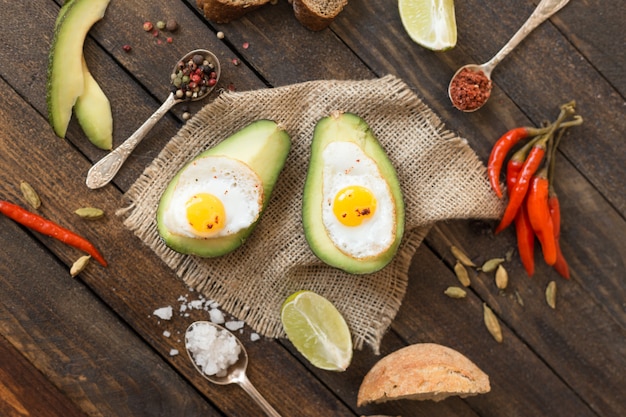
column 440, row 175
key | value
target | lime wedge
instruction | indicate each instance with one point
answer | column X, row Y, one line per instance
column 318, row 330
column 430, row 23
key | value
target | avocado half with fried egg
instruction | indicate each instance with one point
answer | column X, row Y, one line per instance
column 353, row 210
column 214, row 202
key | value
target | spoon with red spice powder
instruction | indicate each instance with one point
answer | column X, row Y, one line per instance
column 470, row 86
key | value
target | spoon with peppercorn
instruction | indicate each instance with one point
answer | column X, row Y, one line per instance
column 194, row 76
column 470, row 86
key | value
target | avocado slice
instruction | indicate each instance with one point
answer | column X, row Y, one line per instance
column 346, row 127
column 263, row 145
column 65, row 79
column 93, row 112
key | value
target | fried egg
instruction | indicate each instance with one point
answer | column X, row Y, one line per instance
column 358, row 210
column 215, row 196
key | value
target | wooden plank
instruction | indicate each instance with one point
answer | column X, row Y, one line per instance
column 600, row 41
column 513, row 366
column 75, row 341
column 580, row 342
column 277, row 43
column 25, row 391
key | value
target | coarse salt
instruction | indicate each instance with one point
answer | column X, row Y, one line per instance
column 212, row 349
column 216, row 316
column 164, row 313
column 234, row 325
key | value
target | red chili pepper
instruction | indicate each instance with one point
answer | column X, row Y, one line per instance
column 561, row 265
column 554, row 206
column 507, row 141
column 539, row 214
column 523, row 229
column 518, row 193
column 46, row 227
column 499, row 153
column 555, row 212
column 525, row 240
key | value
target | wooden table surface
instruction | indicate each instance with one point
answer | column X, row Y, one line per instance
column 90, row 345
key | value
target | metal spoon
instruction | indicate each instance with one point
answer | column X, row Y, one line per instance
column 543, row 11
column 104, row 170
column 236, row 373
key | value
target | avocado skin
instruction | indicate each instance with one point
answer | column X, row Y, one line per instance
column 346, row 127
column 263, row 145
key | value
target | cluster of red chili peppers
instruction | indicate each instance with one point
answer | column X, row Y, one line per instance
column 39, row 224
column 533, row 204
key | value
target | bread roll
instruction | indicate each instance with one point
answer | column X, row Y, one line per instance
column 424, row 371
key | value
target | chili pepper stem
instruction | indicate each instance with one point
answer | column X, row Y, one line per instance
column 531, row 165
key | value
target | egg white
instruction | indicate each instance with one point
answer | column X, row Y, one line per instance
column 345, row 164
column 237, row 186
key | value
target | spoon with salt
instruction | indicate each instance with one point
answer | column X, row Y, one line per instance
column 481, row 74
column 198, row 85
column 201, row 340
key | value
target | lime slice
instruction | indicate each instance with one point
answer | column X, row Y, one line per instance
column 318, row 330
column 430, row 23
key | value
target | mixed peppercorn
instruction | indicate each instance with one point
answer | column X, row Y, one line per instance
column 193, row 78
column 533, row 205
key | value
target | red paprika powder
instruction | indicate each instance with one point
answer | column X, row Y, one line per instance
column 469, row 90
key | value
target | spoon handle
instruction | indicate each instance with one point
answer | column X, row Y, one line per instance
column 104, row 170
column 247, row 386
column 543, row 11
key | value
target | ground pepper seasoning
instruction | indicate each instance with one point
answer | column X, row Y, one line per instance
column 469, row 90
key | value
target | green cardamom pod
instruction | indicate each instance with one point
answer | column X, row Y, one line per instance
column 502, row 277
column 30, row 195
column 91, row 213
column 462, row 257
column 551, row 294
column 492, row 323
column 492, row 264
column 80, row 264
column 462, row 274
column 455, row 292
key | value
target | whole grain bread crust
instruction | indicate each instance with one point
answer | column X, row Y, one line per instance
column 317, row 14
column 224, row 11
column 424, row 371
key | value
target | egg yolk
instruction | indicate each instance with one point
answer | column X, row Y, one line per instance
column 353, row 205
column 206, row 214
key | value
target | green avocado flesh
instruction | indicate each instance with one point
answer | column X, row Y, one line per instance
column 263, row 145
column 93, row 112
column 350, row 128
column 65, row 79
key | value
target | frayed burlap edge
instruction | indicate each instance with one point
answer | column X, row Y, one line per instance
column 440, row 175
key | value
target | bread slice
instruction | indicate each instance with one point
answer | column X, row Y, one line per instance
column 317, row 14
column 424, row 371
column 224, row 11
